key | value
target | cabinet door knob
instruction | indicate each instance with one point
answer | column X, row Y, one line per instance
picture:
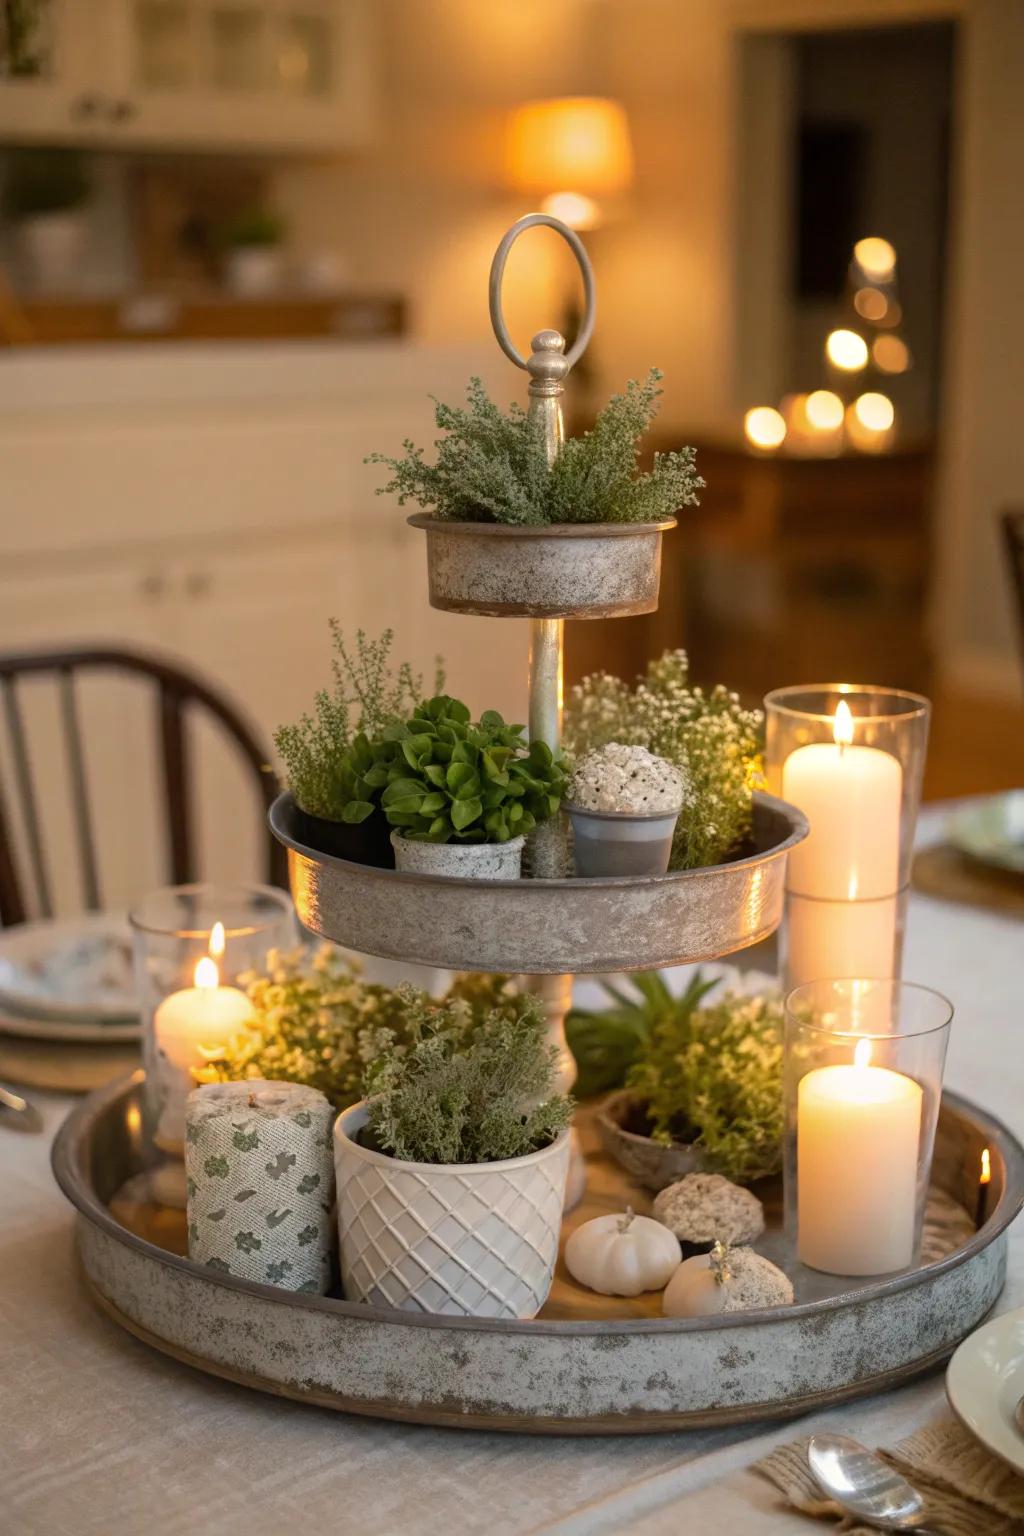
column 153, row 585
column 122, row 111
column 197, row 583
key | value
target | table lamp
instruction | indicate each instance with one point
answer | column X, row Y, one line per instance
column 574, row 152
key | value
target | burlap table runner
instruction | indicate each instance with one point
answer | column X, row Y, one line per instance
column 967, row 1490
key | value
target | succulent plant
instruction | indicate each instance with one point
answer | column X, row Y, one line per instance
column 443, row 778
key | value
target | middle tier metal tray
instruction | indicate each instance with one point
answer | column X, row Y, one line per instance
column 546, row 927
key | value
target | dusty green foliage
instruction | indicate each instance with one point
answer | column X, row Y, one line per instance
column 491, row 467
column 444, row 779
column 326, row 754
column 606, row 1042
column 706, row 733
column 449, row 1099
column 712, row 1077
column 317, row 1021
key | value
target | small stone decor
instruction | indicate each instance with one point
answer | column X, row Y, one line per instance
column 704, row 1206
column 725, row 1280
column 260, row 1176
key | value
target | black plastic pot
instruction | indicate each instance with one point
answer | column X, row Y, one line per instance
column 367, row 842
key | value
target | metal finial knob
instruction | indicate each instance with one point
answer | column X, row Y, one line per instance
column 547, row 366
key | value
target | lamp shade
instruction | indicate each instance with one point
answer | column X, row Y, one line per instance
column 573, row 143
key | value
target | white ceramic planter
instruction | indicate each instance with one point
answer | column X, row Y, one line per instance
column 50, row 249
column 462, row 1240
column 253, row 271
column 459, row 861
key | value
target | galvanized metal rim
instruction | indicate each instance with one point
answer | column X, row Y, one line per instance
column 797, row 820
column 70, row 1159
column 538, row 530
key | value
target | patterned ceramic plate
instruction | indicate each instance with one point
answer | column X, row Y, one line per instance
column 69, row 974
column 985, row 1382
column 992, row 830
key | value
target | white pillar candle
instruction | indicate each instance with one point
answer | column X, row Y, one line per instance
column 192, row 1027
column 851, row 796
column 831, row 940
column 858, row 1132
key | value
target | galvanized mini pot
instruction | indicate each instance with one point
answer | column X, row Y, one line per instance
column 613, row 843
column 459, row 861
column 649, row 1162
column 459, row 1239
column 557, row 571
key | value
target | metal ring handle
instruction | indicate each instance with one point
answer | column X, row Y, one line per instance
column 578, row 249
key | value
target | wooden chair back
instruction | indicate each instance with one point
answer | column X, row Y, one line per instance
column 177, row 694
column 1013, row 537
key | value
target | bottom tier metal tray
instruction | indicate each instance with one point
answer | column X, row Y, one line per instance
column 589, row 1364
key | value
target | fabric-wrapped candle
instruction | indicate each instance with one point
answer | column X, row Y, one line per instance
column 260, row 1176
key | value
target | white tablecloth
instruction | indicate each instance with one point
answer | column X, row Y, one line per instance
column 99, row 1435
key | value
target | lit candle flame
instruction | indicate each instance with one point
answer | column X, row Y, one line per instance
column 862, row 1053
column 842, row 725
column 206, row 973
column 217, row 940
column 986, row 1166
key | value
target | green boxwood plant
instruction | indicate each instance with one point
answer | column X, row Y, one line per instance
column 442, row 778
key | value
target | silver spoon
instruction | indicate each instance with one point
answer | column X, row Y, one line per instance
column 864, row 1485
column 18, row 1113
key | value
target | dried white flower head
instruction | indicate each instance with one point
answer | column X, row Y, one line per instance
column 629, row 780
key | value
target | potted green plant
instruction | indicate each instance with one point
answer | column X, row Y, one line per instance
column 624, row 804
column 252, row 245
column 702, row 1080
column 45, row 195
column 451, row 1173
column 460, row 795
column 508, row 535
column 327, row 754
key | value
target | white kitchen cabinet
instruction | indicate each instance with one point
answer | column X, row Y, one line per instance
column 203, row 74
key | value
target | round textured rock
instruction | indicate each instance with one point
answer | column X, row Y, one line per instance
column 741, row 1281
column 459, row 861
column 555, row 571
column 704, row 1206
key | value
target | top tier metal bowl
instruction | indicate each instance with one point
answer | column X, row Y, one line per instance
column 558, row 571
column 546, row 927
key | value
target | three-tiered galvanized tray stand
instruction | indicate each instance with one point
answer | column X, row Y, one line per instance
column 587, row 1364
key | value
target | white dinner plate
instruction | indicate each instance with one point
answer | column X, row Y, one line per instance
column 71, row 971
column 985, row 1382
column 991, row 830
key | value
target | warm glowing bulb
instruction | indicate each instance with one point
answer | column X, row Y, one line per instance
column 870, row 304
column 862, row 1053
column 842, row 725
column 217, row 940
column 824, row 410
column 874, row 411
column 765, row 427
column 572, row 208
column 890, row 354
column 875, row 257
column 845, row 349
column 986, row 1166
column 206, row 973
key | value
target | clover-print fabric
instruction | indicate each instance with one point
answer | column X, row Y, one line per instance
column 260, row 1176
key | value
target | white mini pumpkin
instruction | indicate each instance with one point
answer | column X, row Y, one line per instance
column 622, row 1255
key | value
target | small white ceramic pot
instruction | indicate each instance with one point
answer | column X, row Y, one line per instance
column 253, row 271
column 50, row 248
column 461, row 1239
column 459, row 861
column 618, row 843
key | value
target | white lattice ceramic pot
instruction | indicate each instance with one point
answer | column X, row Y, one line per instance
column 463, row 1239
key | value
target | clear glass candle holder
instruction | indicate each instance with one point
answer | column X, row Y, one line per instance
column 862, row 1082
column 851, row 757
column 822, row 939
column 194, row 945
